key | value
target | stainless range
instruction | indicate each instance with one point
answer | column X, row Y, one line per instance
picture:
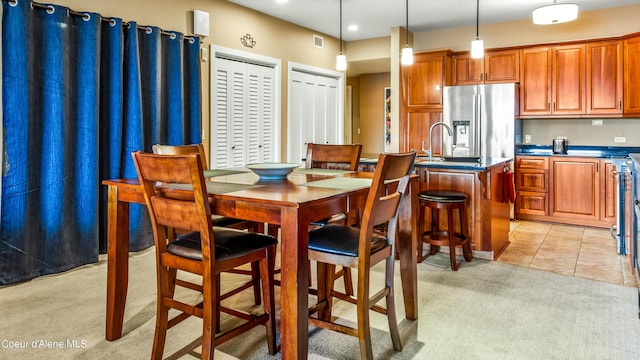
column 621, row 230
column 633, row 250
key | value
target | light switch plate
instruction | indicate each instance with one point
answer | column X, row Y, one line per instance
column 596, row 122
column 619, row 139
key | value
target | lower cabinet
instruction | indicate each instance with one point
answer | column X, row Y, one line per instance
column 564, row 189
column 575, row 188
column 532, row 185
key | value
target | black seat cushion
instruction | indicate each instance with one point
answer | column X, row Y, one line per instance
column 335, row 219
column 342, row 240
column 230, row 243
column 218, row 220
column 442, row 196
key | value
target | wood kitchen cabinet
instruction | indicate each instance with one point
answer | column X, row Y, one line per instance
column 552, row 80
column 424, row 80
column 419, row 124
column 604, row 77
column 565, row 189
column 608, row 189
column 575, row 188
column 632, row 76
column 422, row 85
column 532, row 186
column 497, row 66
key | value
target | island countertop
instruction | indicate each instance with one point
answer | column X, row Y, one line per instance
column 423, row 161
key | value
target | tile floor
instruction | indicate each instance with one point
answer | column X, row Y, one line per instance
column 570, row 250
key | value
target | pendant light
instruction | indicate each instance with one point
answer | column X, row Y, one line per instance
column 477, row 45
column 341, row 60
column 555, row 13
column 407, row 53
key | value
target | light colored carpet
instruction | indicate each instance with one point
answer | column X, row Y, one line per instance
column 486, row 310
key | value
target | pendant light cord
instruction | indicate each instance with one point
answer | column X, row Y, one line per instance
column 340, row 27
column 478, row 20
column 407, row 28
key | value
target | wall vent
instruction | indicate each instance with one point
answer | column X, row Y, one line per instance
column 318, row 41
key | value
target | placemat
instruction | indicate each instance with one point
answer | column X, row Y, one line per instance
column 340, row 183
column 221, row 172
column 322, row 171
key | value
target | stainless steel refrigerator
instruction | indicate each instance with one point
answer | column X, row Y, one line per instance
column 482, row 120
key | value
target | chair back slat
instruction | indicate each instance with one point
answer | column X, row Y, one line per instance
column 182, row 150
column 332, row 156
column 188, row 212
column 389, row 185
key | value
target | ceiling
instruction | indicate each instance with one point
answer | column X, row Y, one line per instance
column 375, row 18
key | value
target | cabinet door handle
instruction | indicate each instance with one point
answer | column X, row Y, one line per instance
column 554, row 107
column 620, row 105
column 481, row 77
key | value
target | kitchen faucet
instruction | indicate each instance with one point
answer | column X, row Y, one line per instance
column 430, row 151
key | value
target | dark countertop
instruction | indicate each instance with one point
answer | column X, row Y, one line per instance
column 423, row 161
column 482, row 165
column 578, row 150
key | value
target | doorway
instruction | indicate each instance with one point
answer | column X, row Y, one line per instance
column 245, row 108
column 316, row 109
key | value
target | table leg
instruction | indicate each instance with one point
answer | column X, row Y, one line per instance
column 407, row 244
column 117, row 263
column 294, row 283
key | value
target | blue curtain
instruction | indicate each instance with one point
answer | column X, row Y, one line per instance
column 79, row 94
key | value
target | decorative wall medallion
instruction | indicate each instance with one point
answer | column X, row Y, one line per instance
column 248, row 41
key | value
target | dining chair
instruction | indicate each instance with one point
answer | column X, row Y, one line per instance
column 333, row 157
column 218, row 220
column 204, row 250
column 361, row 248
column 336, row 157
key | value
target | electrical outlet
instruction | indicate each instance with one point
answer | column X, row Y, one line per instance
column 527, row 139
column 597, row 122
column 619, row 139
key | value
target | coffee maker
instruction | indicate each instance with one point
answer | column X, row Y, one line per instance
column 560, row 146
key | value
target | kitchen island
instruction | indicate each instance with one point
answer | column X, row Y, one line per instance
column 488, row 210
column 483, row 182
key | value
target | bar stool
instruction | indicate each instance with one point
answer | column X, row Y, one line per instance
column 449, row 201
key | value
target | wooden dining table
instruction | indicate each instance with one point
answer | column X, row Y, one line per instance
column 304, row 196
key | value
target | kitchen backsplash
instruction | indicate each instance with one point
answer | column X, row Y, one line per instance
column 612, row 132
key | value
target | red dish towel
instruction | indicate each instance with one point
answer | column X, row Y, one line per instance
column 508, row 187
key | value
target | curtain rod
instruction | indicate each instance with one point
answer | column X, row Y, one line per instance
column 50, row 9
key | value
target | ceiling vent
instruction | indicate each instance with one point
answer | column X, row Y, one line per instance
column 318, row 42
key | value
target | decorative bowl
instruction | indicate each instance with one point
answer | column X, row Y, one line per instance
column 272, row 171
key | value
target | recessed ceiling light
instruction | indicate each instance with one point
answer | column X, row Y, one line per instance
column 281, row 1
column 353, row 27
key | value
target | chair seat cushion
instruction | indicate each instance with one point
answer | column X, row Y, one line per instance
column 342, row 240
column 230, row 243
column 218, row 220
column 442, row 196
column 335, row 219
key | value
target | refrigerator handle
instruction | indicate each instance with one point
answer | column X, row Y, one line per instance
column 478, row 123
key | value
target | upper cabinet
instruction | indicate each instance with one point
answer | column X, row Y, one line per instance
column 604, row 77
column 425, row 78
column 553, row 81
column 422, row 85
column 632, row 76
column 497, row 66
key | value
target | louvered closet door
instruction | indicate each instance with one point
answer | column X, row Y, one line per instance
column 313, row 116
column 243, row 114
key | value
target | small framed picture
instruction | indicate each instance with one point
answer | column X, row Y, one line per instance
column 387, row 118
